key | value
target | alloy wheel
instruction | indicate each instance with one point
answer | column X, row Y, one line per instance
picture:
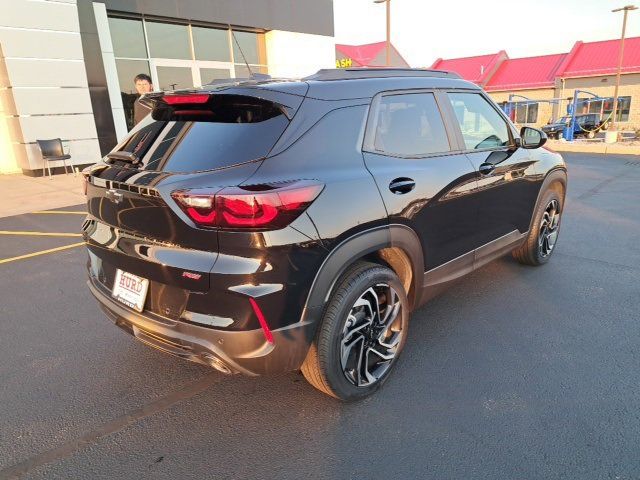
column 371, row 335
column 549, row 225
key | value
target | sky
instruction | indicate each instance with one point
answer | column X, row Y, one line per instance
column 424, row 30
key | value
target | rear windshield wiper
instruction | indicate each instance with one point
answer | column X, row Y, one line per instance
column 123, row 156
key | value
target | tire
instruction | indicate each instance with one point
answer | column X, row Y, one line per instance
column 591, row 135
column 344, row 322
column 536, row 250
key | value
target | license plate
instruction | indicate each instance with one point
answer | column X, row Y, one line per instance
column 130, row 290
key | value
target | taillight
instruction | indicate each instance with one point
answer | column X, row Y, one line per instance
column 262, row 207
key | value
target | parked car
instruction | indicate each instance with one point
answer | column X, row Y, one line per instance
column 270, row 226
column 587, row 125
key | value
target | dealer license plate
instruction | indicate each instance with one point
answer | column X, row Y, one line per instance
column 130, row 290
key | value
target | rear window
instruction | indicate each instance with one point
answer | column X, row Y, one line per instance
column 228, row 130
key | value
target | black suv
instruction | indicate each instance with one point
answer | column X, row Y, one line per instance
column 263, row 226
column 587, row 125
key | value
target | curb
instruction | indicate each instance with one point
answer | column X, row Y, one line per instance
column 602, row 148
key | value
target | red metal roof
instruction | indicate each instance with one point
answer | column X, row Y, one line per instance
column 601, row 58
column 365, row 55
column 474, row 69
column 524, row 73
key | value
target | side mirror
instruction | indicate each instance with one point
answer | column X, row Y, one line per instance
column 532, row 137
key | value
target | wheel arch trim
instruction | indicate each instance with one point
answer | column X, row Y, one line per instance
column 557, row 174
column 357, row 246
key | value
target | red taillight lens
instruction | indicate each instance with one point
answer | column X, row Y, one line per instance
column 186, row 99
column 268, row 336
column 238, row 208
column 199, row 206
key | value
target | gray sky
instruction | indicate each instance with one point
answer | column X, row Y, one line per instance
column 423, row 30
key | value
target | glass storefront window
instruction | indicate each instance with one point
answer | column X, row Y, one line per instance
column 168, row 40
column 127, row 70
column 211, row 44
column 174, row 54
column 605, row 107
column 526, row 113
column 174, row 78
column 207, row 75
column 622, row 112
column 243, row 72
column 252, row 46
column 127, row 37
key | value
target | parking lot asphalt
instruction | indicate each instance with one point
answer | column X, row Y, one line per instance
column 515, row 372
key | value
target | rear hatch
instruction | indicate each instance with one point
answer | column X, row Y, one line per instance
column 193, row 140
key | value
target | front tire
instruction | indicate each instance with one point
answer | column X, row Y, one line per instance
column 361, row 335
column 543, row 236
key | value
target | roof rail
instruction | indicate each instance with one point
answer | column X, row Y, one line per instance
column 375, row 72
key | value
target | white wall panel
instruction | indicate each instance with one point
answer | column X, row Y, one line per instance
column 57, row 126
column 40, row 15
column 37, row 101
column 40, row 44
column 46, row 73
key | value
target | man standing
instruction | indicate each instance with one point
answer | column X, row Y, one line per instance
column 143, row 85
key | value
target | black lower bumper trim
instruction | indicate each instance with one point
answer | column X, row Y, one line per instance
column 245, row 352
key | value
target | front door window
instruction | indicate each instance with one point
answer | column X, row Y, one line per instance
column 482, row 126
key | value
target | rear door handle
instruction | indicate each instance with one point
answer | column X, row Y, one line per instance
column 402, row 185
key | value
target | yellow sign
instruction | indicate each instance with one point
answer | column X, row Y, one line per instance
column 344, row 63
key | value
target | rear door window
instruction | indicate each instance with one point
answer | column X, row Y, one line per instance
column 410, row 125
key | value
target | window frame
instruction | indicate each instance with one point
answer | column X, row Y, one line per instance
column 511, row 130
column 368, row 144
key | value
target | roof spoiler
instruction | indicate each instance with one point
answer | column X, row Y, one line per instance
column 196, row 99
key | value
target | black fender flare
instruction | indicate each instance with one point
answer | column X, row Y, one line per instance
column 355, row 247
column 558, row 174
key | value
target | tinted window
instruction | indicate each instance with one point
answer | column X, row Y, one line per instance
column 127, row 37
column 482, row 127
column 230, row 129
column 167, row 40
column 208, row 75
column 410, row 124
column 174, row 78
column 250, row 46
column 527, row 113
column 211, row 44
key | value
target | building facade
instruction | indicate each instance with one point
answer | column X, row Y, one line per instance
column 540, row 88
column 67, row 66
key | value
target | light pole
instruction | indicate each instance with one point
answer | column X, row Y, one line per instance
column 626, row 10
column 388, row 2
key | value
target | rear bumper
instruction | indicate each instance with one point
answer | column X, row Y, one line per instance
column 245, row 352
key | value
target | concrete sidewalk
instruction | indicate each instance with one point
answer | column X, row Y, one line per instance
column 22, row 194
column 623, row 148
